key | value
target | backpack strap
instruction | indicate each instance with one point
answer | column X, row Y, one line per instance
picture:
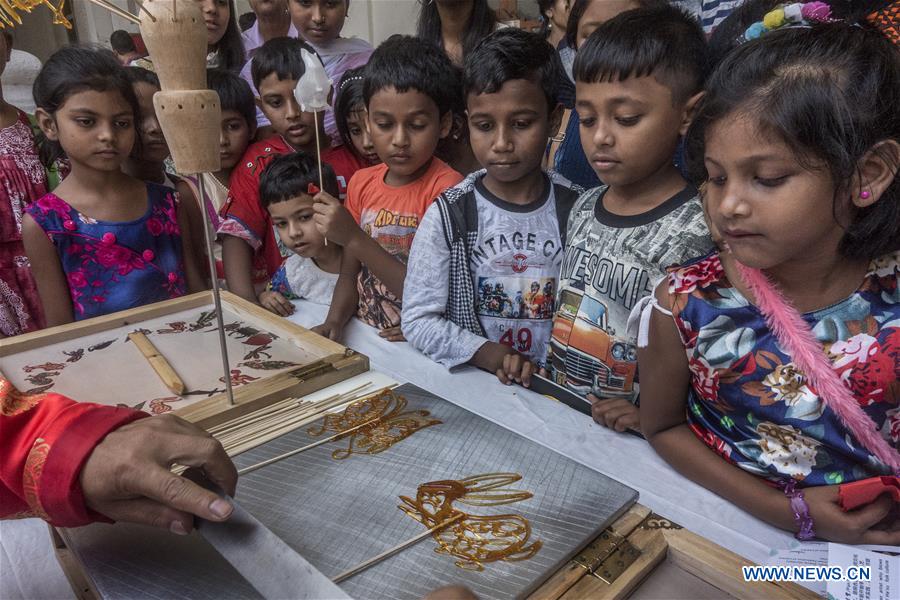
column 462, row 216
column 565, row 200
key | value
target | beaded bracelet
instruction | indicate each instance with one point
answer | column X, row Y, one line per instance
column 801, row 510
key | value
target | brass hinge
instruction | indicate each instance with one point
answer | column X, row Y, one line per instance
column 320, row 367
column 616, row 563
column 608, row 556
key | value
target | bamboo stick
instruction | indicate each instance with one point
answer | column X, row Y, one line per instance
column 310, row 409
column 281, row 424
column 290, row 404
column 117, row 11
column 251, row 430
column 253, row 416
column 330, row 438
column 144, row 8
column 392, row 551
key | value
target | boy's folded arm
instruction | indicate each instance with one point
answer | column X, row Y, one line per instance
column 384, row 265
column 426, row 290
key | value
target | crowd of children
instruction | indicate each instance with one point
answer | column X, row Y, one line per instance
column 728, row 286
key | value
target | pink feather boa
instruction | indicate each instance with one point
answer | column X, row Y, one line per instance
column 795, row 335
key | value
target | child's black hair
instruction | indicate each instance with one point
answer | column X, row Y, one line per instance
column 234, row 93
column 74, row 69
column 830, row 92
column 122, row 42
column 579, row 7
column 231, row 47
column 407, row 63
column 482, row 22
column 142, row 75
column 513, row 54
column 289, row 175
column 729, row 34
column 666, row 42
column 246, row 20
column 546, row 25
column 349, row 98
column 281, row 56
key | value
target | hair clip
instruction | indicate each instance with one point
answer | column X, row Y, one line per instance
column 349, row 79
column 796, row 14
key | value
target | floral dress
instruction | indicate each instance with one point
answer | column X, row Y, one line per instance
column 22, row 180
column 754, row 407
column 113, row 266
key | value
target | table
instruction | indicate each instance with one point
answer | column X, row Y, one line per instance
column 28, row 567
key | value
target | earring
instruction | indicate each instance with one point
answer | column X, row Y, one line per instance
column 865, row 194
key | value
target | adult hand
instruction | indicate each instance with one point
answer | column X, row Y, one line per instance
column 333, row 220
column 128, row 478
column 617, row 414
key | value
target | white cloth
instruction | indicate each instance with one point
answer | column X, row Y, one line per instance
column 252, row 38
column 305, row 279
column 18, row 77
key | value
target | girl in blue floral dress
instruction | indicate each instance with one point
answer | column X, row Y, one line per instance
column 798, row 142
column 103, row 241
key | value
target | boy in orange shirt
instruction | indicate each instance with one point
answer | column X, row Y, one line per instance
column 409, row 91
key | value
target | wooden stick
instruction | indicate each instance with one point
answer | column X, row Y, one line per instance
column 143, row 8
column 392, row 551
column 158, row 362
column 330, row 438
column 319, row 157
column 288, row 405
column 117, row 11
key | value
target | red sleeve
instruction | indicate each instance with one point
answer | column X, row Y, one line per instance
column 344, row 164
column 243, row 204
column 44, row 441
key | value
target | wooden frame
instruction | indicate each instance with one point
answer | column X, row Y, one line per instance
column 618, row 563
column 337, row 363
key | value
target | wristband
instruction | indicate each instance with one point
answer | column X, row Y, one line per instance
column 800, row 509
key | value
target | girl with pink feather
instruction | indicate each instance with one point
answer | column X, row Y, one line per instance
column 771, row 373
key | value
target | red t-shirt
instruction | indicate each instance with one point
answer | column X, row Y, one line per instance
column 243, row 215
column 391, row 215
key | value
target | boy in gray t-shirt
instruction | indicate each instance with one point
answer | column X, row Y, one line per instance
column 484, row 266
column 638, row 78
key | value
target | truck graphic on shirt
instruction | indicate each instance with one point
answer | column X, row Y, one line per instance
column 585, row 355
